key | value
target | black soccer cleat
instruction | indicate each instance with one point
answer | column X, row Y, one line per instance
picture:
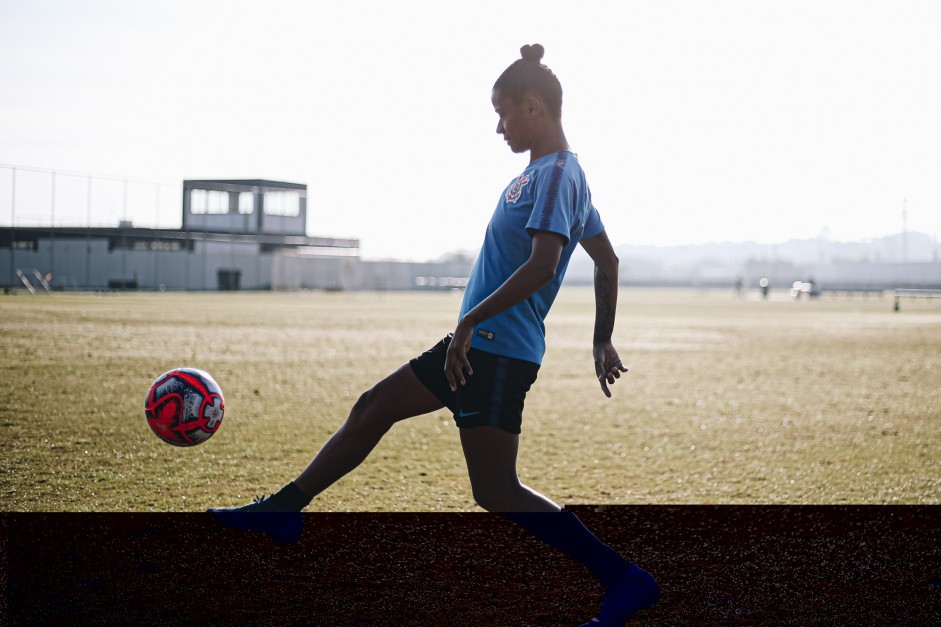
column 630, row 593
column 263, row 515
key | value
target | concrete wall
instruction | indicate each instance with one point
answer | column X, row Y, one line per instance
column 293, row 272
column 89, row 264
column 396, row 275
column 201, row 268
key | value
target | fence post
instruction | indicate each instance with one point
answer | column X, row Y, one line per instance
column 52, row 230
column 13, row 230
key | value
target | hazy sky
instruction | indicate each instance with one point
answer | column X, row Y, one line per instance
column 695, row 121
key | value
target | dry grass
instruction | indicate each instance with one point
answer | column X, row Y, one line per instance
column 728, row 400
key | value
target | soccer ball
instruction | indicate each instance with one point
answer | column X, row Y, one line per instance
column 184, row 406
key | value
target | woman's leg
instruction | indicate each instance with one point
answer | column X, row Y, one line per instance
column 490, row 453
column 397, row 397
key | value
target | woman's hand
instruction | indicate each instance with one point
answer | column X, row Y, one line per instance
column 608, row 365
column 456, row 361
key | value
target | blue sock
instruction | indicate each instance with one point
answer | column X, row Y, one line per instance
column 564, row 531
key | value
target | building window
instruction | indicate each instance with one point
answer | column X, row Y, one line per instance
column 283, row 204
column 246, row 203
column 209, row 201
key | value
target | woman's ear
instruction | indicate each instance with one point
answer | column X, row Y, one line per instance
column 534, row 108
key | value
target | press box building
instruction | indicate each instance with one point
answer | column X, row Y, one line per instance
column 235, row 234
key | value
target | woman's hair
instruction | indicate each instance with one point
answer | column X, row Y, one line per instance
column 527, row 74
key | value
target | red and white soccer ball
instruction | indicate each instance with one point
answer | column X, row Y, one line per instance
column 184, row 407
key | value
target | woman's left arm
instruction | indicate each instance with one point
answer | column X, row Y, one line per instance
column 528, row 279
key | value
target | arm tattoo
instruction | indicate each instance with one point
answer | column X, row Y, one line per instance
column 604, row 308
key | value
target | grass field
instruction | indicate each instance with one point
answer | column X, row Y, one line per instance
column 728, row 400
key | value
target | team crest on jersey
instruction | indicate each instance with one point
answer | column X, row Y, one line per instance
column 513, row 194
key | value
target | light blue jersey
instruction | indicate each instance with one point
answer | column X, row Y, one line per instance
column 550, row 195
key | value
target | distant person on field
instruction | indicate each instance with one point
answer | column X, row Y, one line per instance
column 483, row 370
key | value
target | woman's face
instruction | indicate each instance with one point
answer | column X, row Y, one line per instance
column 515, row 123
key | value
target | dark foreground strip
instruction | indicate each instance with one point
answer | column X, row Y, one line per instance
column 716, row 565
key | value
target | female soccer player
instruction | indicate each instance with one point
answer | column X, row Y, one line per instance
column 483, row 370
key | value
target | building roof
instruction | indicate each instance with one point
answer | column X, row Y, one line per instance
column 7, row 234
column 246, row 183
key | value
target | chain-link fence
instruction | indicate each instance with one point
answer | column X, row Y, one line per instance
column 40, row 197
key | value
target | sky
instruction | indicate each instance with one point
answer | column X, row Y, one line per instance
column 695, row 121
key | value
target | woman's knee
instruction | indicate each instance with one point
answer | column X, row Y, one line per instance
column 367, row 413
column 485, row 501
column 496, row 496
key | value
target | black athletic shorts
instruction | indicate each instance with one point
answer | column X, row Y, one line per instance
column 493, row 395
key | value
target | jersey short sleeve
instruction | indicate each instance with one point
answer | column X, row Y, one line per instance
column 555, row 201
column 593, row 225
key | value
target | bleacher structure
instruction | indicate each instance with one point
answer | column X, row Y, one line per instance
column 235, row 235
